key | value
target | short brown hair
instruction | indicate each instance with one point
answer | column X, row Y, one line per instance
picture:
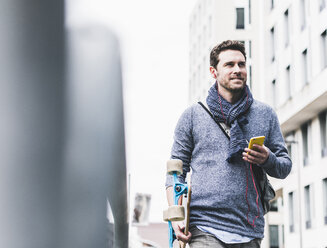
column 225, row 45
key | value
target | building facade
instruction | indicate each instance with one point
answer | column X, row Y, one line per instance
column 296, row 71
column 213, row 21
column 286, row 45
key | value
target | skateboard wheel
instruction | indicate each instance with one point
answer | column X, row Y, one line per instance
column 176, row 213
column 175, row 165
column 165, row 215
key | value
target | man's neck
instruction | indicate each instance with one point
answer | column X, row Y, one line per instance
column 231, row 97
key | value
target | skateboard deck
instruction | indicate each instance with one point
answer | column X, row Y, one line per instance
column 187, row 218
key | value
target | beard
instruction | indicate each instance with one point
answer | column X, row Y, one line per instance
column 232, row 89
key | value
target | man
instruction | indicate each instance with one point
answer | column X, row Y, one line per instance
column 225, row 211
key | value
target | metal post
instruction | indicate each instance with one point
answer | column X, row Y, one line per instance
column 95, row 166
column 38, row 163
column 31, row 107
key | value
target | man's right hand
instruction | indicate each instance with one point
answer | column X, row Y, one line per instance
column 179, row 227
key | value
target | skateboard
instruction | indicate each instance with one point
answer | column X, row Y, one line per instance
column 177, row 212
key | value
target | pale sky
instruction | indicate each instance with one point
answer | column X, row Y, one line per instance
column 154, row 42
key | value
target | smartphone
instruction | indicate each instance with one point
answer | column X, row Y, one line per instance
column 256, row 140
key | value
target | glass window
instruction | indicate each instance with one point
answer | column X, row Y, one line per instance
column 323, row 133
column 305, row 129
column 287, row 31
column 283, row 236
column 305, row 66
column 322, row 4
column 291, row 211
column 289, row 149
column 288, row 82
column 325, row 200
column 273, row 236
column 274, row 206
column 289, row 141
column 272, row 43
column 324, row 49
column 308, row 201
column 274, row 100
column 240, row 18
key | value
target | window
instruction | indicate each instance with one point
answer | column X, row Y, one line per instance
column 322, row 4
column 305, row 129
column 289, row 140
column 272, row 4
column 323, row 133
column 324, row 183
column 303, row 14
column 291, row 211
column 324, row 49
column 274, row 100
column 305, row 66
column 288, row 82
column 308, row 201
column 283, row 236
column 240, row 18
column 287, row 31
column 273, row 236
column 274, row 206
column 272, row 43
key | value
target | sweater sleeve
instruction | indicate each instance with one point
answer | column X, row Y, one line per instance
column 183, row 145
column 278, row 163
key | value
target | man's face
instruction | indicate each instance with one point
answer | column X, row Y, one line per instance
column 231, row 70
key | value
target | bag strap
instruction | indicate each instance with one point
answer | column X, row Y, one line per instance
column 208, row 111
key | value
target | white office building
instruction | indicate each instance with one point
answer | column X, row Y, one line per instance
column 213, row 21
column 286, row 44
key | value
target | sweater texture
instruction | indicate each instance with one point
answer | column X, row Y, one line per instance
column 219, row 186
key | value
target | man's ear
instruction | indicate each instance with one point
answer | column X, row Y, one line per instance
column 213, row 72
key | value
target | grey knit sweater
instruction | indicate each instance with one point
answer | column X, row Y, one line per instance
column 218, row 187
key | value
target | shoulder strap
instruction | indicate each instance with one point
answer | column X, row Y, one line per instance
column 207, row 110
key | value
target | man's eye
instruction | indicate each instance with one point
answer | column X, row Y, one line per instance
column 241, row 64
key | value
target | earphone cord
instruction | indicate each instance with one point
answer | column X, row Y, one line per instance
column 247, row 180
column 246, row 196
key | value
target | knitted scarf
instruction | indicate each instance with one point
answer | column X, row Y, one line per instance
column 233, row 115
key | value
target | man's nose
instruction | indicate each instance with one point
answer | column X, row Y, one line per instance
column 237, row 69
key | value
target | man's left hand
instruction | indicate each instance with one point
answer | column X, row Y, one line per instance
column 256, row 155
